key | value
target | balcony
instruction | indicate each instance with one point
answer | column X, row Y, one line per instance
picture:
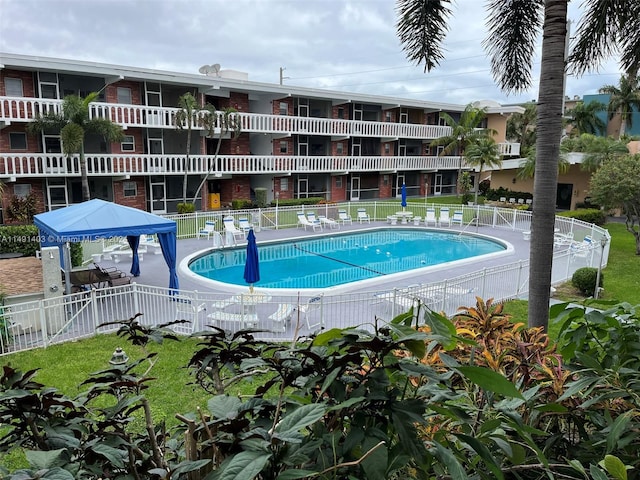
column 32, row 165
column 24, row 109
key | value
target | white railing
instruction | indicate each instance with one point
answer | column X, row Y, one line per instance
column 24, row 109
column 47, row 164
column 41, row 323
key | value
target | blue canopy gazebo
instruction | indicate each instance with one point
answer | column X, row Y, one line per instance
column 96, row 219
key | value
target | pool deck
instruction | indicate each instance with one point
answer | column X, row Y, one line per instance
column 154, row 271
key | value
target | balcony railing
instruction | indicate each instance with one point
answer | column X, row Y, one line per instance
column 47, row 164
column 24, row 109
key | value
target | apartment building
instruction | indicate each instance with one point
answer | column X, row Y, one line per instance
column 295, row 142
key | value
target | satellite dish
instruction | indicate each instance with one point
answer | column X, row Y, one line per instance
column 210, row 69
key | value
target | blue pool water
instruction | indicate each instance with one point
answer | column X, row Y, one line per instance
column 324, row 262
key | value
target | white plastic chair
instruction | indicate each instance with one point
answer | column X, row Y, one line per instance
column 244, row 225
column 209, row 228
column 304, row 221
column 457, row 218
column 232, row 231
column 328, row 221
column 344, row 217
column 312, row 305
column 363, row 216
column 187, row 308
column 445, row 219
column 282, row 315
column 430, row 218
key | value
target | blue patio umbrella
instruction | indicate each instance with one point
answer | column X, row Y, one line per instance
column 251, row 265
column 404, row 196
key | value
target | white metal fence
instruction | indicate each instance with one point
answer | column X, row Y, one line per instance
column 281, row 317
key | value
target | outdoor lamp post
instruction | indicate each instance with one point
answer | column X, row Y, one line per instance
column 119, row 357
column 603, row 243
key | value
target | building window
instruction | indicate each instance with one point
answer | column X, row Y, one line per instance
column 128, row 144
column 129, row 189
column 339, row 182
column 339, row 148
column 284, row 184
column 21, row 190
column 387, row 116
column 284, row 108
column 13, row 87
column 17, row 141
column 124, row 95
column 284, row 147
column 341, row 113
column 387, row 149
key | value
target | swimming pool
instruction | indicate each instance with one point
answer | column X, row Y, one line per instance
column 342, row 259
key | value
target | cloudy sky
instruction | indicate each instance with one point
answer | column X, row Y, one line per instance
column 346, row 45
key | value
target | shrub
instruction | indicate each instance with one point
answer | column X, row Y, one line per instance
column 589, row 215
column 186, row 208
column 261, row 197
column 241, row 204
column 584, row 279
column 20, row 238
column 298, row 201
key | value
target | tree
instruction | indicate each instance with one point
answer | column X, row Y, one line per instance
column 623, row 99
column 616, row 184
column 464, row 132
column 527, row 167
column 608, row 26
column 484, row 152
column 521, row 127
column 218, row 124
column 74, row 122
column 598, row 150
column 185, row 118
column 584, row 118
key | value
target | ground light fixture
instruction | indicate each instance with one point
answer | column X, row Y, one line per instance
column 119, row 357
column 603, row 243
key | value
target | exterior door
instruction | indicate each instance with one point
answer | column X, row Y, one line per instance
column 303, row 187
column 437, row 186
column 158, row 197
column 399, row 182
column 57, row 195
column 355, row 188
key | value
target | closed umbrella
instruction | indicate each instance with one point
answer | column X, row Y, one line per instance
column 404, row 196
column 251, row 266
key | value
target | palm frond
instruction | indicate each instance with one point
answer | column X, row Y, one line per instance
column 111, row 132
column 422, row 27
column 514, row 27
column 599, row 34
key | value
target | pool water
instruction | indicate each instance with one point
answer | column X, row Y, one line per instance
column 324, row 262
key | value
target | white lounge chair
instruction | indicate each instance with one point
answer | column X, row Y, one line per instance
column 307, row 309
column 363, row 216
column 457, row 218
column 330, row 222
column 150, row 241
column 445, row 219
column 187, row 308
column 344, row 217
column 430, row 217
column 282, row 315
column 209, row 228
column 304, row 221
column 233, row 232
column 244, row 225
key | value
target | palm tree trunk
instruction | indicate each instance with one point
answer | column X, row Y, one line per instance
column 186, row 166
column 86, row 193
column 549, row 128
column 623, row 126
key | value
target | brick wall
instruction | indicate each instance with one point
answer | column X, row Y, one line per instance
column 37, row 190
column 235, row 188
column 28, row 86
column 138, row 201
column 339, row 193
column 385, row 190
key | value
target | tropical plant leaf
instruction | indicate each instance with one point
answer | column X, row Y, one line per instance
column 300, row 418
column 451, row 462
column 597, row 474
column 243, row 466
column 295, row 474
column 42, row 459
column 617, row 429
column 224, row 406
column 614, row 466
column 491, row 381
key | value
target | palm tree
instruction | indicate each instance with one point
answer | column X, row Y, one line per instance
column 623, row 99
column 514, row 27
column 185, row 118
column 74, row 123
column 464, row 132
column 584, row 118
column 527, row 167
column 598, row 150
column 521, row 127
column 483, row 152
column 218, row 124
